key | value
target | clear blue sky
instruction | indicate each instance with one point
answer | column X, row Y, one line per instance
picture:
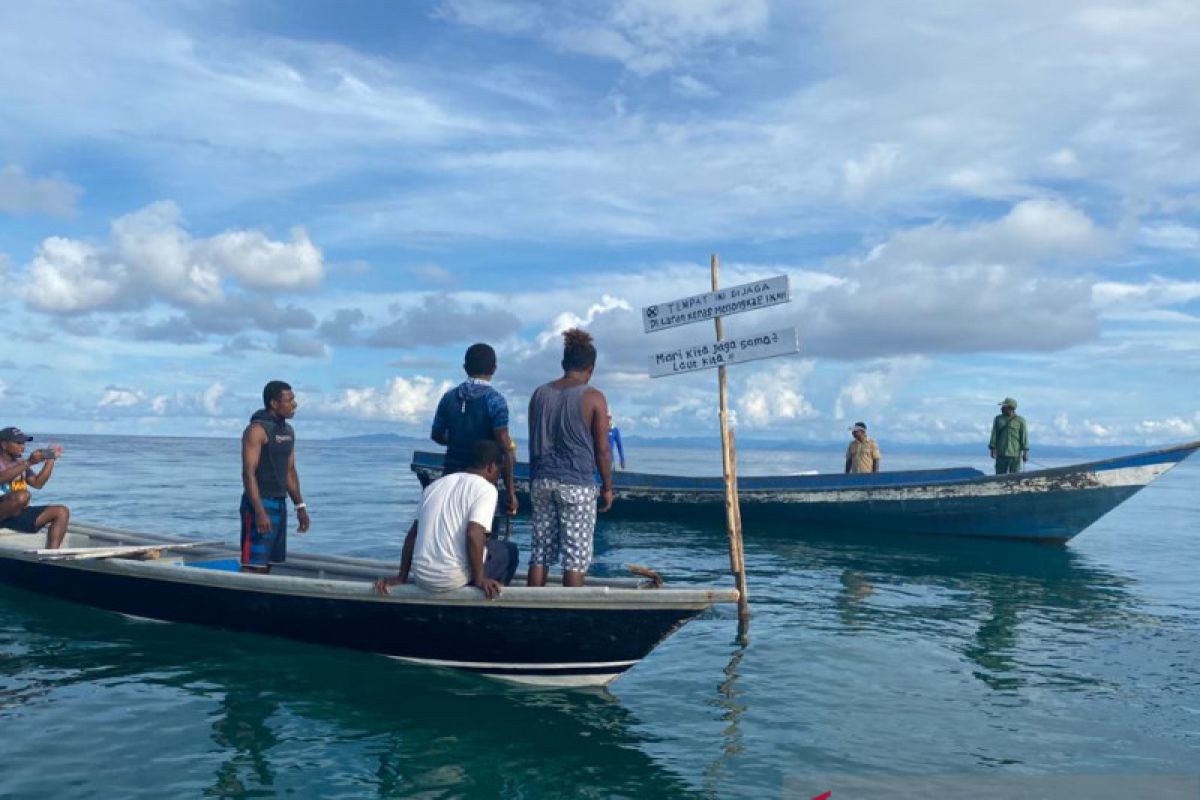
column 973, row 200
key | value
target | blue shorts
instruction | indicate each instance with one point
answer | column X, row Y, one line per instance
column 264, row 549
column 26, row 521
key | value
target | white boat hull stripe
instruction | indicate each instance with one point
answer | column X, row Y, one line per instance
column 527, row 665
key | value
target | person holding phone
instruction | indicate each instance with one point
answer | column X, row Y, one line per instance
column 17, row 477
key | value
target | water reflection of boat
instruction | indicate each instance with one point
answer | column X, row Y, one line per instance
column 991, row 601
column 551, row 635
column 1047, row 504
column 284, row 719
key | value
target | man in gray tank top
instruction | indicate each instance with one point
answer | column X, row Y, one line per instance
column 568, row 444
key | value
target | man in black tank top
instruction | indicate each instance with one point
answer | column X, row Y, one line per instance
column 268, row 478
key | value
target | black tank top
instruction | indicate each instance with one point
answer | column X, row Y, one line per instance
column 271, row 475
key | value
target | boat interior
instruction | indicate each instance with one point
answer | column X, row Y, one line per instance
column 86, row 542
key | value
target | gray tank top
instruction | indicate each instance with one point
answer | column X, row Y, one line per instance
column 560, row 444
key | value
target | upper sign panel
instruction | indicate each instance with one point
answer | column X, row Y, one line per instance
column 721, row 303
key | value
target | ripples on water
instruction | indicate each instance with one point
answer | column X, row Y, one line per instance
column 902, row 657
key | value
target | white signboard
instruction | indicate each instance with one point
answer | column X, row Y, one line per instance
column 721, row 303
column 709, row 355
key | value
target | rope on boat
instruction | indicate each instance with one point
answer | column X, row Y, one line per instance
column 656, row 580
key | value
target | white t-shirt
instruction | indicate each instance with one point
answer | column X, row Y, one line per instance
column 448, row 505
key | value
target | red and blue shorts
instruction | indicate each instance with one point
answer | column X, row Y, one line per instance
column 264, row 549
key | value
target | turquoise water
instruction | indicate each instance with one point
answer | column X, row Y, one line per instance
column 911, row 658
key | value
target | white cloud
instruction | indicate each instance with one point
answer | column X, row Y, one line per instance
column 151, row 257
column 871, row 388
column 941, row 288
column 260, row 263
column 210, row 398
column 1032, row 231
column 1171, row 236
column 401, row 400
column 118, row 397
column 21, row 194
column 137, row 402
column 689, row 86
column 861, row 175
column 1171, row 428
column 566, row 320
column 1156, row 292
column 775, row 394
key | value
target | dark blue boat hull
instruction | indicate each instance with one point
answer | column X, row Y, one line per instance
column 529, row 643
column 1049, row 504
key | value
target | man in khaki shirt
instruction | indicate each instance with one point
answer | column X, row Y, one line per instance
column 863, row 454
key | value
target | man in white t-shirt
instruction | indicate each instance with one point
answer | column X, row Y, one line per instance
column 448, row 546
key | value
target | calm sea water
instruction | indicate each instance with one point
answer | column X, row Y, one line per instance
column 893, row 658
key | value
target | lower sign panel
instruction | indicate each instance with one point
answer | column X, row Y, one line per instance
column 709, row 355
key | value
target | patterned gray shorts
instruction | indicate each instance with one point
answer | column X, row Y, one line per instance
column 564, row 519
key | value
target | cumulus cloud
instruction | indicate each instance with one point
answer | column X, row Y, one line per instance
column 120, row 397
column 1171, row 427
column 1032, row 231
column 942, row 288
column 871, row 388
column 131, row 401
column 444, row 319
column 151, row 257
column 875, row 166
column 775, row 395
column 340, row 328
column 210, row 398
column 22, row 195
column 400, row 400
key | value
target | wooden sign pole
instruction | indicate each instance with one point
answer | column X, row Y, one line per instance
column 733, row 511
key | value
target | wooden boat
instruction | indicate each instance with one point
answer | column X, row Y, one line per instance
column 551, row 635
column 1046, row 504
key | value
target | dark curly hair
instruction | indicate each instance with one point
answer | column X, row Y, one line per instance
column 480, row 360
column 579, row 353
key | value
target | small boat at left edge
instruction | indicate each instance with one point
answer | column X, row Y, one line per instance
column 550, row 636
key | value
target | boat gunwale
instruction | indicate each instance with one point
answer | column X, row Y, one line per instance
column 594, row 597
column 747, row 491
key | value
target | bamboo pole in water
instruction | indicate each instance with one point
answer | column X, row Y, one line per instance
column 733, row 510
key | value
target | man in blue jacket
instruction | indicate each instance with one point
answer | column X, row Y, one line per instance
column 474, row 411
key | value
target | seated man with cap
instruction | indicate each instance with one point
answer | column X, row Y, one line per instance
column 17, row 477
column 863, row 454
